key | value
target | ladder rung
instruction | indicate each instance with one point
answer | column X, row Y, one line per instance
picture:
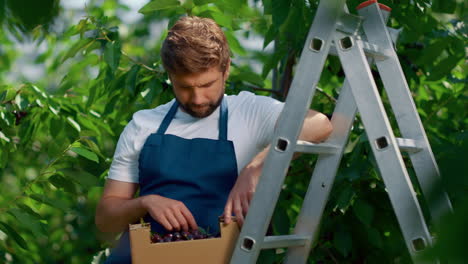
column 370, row 50
column 321, row 148
column 284, row 241
column 408, row 145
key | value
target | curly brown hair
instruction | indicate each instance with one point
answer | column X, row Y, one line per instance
column 193, row 45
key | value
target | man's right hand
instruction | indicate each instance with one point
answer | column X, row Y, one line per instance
column 171, row 214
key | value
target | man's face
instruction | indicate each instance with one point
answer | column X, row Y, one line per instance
column 199, row 94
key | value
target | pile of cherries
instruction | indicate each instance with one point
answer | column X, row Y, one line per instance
column 182, row 236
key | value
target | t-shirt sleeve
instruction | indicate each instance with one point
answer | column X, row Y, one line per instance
column 124, row 166
column 263, row 112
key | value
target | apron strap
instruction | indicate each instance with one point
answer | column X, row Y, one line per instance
column 168, row 118
column 223, row 120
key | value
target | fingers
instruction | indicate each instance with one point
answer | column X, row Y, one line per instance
column 238, row 211
column 171, row 218
column 190, row 219
column 228, row 211
column 181, row 220
column 245, row 205
column 164, row 222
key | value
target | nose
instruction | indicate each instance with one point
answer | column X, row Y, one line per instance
column 197, row 97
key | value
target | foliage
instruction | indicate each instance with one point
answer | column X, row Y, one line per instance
column 58, row 133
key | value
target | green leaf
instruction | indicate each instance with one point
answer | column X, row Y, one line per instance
column 21, row 102
column 222, row 19
column 130, row 81
column 150, row 90
column 86, row 122
column 281, row 222
column 364, row 212
column 10, row 94
column 30, row 211
column 267, row 7
column 82, row 43
column 374, row 237
column 203, row 2
column 61, row 182
column 85, row 179
column 272, row 62
column 343, row 242
column 28, row 221
column 158, row 5
column 3, row 158
column 112, row 55
column 234, row 44
column 56, row 203
column 14, row 235
column 344, row 200
column 271, row 34
column 280, row 10
column 444, row 67
column 351, row 145
column 55, row 126
column 85, row 153
column 251, row 77
column 74, row 124
column 39, row 91
column 3, row 137
column 444, row 6
column 92, row 146
column 431, row 53
column 110, row 106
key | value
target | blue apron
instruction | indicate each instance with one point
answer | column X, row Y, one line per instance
column 199, row 172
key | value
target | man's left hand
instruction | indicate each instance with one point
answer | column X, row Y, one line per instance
column 241, row 194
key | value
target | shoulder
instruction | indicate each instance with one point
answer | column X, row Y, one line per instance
column 150, row 118
column 249, row 99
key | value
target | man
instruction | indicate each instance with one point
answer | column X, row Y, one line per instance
column 198, row 156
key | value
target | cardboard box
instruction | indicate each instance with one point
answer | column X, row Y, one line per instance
column 202, row 251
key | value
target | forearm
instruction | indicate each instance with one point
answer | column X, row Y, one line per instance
column 114, row 214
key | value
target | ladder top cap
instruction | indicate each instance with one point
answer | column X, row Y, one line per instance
column 370, row 2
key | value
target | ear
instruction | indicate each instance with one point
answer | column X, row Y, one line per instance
column 228, row 67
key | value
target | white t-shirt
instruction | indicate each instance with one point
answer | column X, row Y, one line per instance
column 251, row 121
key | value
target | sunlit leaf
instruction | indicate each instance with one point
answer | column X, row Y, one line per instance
column 158, row 5
column 85, row 153
column 234, row 44
column 74, row 124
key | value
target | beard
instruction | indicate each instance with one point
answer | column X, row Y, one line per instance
column 203, row 110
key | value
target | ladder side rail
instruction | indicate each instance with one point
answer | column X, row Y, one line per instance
column 323, row 177
column 290, row 122
column 405, row 111
column 383, row 144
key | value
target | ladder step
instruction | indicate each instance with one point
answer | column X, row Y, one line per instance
column 321, row 148
column 408, row 145
column 370, row 50
column 284, row 241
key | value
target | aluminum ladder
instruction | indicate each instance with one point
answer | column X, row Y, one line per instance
column 359, row 41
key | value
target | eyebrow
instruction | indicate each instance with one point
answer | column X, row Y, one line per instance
column 202, row 85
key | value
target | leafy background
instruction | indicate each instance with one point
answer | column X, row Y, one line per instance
column 58, row 131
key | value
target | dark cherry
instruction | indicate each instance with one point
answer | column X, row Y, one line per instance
column 177, row 236
column 155, row 238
